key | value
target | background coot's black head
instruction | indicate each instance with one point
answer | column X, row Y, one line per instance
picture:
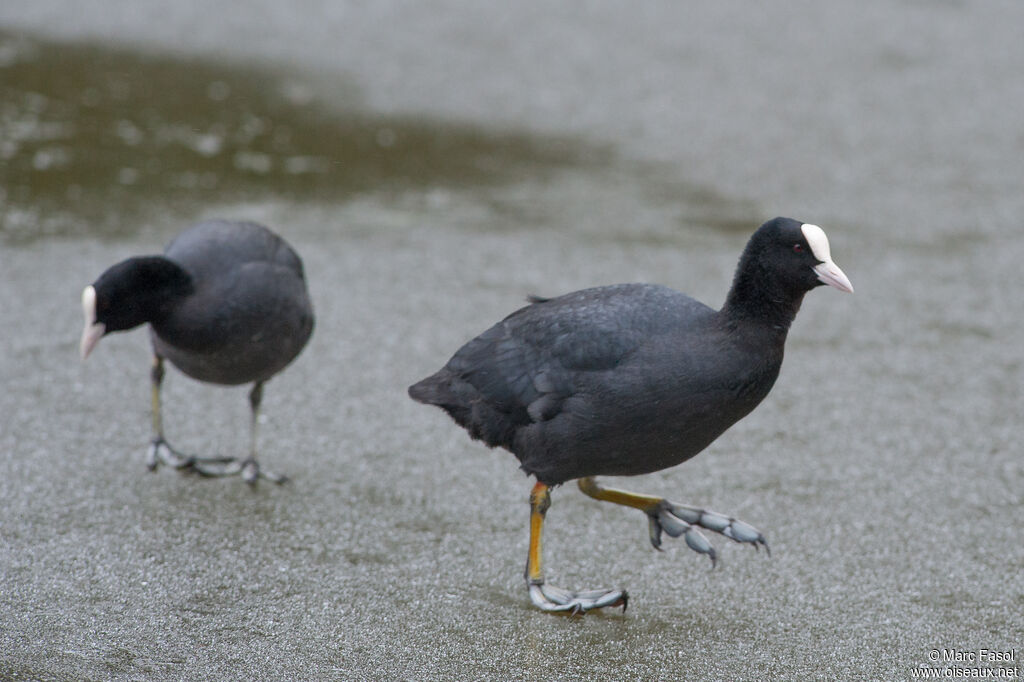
column 792, row 257
column 134, row 291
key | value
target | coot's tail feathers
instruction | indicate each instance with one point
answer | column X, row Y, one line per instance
column 463, row 403
column 434, row 390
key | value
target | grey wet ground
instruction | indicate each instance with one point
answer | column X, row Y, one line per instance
column 450, row 160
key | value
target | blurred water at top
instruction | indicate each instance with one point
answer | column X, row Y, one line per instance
column 901, row 115
column 96, row 139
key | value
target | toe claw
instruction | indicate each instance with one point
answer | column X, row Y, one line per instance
column 655, row 531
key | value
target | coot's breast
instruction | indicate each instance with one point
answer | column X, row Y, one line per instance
column 665, row 404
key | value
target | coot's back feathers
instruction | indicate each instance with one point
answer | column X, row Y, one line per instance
column 211, row 248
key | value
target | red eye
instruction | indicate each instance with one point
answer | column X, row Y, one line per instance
column 798, row 248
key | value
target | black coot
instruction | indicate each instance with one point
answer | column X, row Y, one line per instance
column 629, row 379
column 226, row 303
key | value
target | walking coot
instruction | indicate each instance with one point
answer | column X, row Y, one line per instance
column 628, row 379
column 226, row 303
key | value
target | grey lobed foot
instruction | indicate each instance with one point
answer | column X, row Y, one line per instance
column 252, row 472
column 161, row 452
column 249, row 469
column 681, row 519
column 551, row 598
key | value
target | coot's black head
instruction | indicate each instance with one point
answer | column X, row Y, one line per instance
column 797, row 254
column 134, row 291
column 783, row 260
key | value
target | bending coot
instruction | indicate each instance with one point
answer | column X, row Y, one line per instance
column 629, row 379
column 226, row 304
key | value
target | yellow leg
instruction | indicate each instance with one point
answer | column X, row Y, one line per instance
column 550, row 597
column 540, row 500
column 157, row 378
column 255, row 398
column 677, row 519
column 646, row 503
column 251, row 470
column 160, row 452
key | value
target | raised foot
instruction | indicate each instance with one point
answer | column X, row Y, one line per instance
column 681, row 519
column 161, row 452
column 555, row 599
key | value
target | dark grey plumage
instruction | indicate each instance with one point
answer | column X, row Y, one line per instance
column 249, row 314
column 630, row 379
column 226, row 304
column 617, row 380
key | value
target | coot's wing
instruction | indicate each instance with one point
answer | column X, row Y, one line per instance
column 527, row 361
column 522, row 369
